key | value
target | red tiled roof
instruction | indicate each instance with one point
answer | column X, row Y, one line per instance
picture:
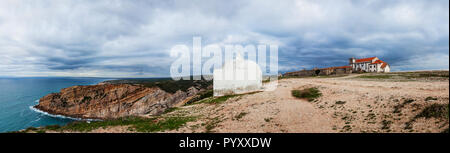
column 383, row 64
column 364, row 60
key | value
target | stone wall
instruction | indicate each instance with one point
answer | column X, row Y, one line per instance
column 301, row 73
column 324, row 71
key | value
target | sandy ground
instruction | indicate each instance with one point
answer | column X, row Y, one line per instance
column 368, row 104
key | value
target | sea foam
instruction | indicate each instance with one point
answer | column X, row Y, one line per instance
column 60, row 116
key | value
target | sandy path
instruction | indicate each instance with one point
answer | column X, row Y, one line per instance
column 275, row 111
column 367, row 105
column 364, row 106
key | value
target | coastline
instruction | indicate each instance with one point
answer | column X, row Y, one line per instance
column 56, row 115
column 65, row 116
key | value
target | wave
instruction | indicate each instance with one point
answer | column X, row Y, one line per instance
column 60, row 116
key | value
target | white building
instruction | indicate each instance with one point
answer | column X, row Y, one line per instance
column 236, row 77
column 372, row 64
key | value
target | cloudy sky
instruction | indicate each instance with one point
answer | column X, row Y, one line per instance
column 115, row 38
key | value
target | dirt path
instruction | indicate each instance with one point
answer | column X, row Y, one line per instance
column 275, row 111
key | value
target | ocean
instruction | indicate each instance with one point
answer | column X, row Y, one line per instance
column 17, row 95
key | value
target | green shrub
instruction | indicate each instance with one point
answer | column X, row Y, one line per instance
column 171, row 109
column 375, row 76
column 169, row 123
column 439, row 111
column 340, row 102
column 430, row 98
column 435, row 111
column 445, row 131
column 212, row 124
column 200, row 96
column 240, row 115
column 52, row 127
column 139, row 124
column 310, row 93
column 386, row 124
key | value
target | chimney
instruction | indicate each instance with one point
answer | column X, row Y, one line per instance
column 352, row 60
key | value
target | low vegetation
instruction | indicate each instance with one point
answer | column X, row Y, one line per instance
column 340, row 102
column 216, row 100
column 430, row 98
column 168, row 110
column 386, row 124
column 440, row 111
column 313, row 76
column 408, row 76
column 138, row 124
column 398, row 108
column 240, row 115
column 221, row 99
column 211, row 124
column 200, row 96
column 166, row 84
column 375, row 76
column 445, row 131
column 309, row 93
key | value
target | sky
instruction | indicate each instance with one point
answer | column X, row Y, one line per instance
column 115, row 38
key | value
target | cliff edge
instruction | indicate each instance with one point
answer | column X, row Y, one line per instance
column 106, row 100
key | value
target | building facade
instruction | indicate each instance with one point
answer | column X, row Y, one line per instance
column 372, row 64
column 237, row 76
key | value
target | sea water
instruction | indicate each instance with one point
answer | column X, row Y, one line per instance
column 18, row 95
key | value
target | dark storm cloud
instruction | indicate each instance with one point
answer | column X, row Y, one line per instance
column 133, row 38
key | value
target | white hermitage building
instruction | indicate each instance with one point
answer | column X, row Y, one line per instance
column 372, row 64
column 236, row 77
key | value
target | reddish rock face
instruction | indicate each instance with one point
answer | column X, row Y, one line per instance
column 105, row 101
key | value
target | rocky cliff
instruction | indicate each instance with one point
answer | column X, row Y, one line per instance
column 104, row 101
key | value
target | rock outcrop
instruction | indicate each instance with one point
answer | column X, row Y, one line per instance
column 105, row 101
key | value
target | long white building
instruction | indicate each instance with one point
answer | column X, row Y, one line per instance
column 372, row 64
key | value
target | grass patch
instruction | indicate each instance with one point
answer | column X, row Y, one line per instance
column 445, row 131
column 398, row 108
column 169, row 123
column 435, row 111
column 217, row 100
column 166, row 84
column 212, row 124
column 266, row 81
column 221, row 99
column 313, row 76
column 52, row 127
column 268, row 119
column 310, row 93
column 171, row 109
column 386, row 124
column 340, row 102
column 430, row 98
column 424, row 74
column 405, row 76
column 439, row 111
column 408, row 101
column 200, row 96
column 375, row 76
column 240, row 115
column 31, row 129
column 139, row 124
